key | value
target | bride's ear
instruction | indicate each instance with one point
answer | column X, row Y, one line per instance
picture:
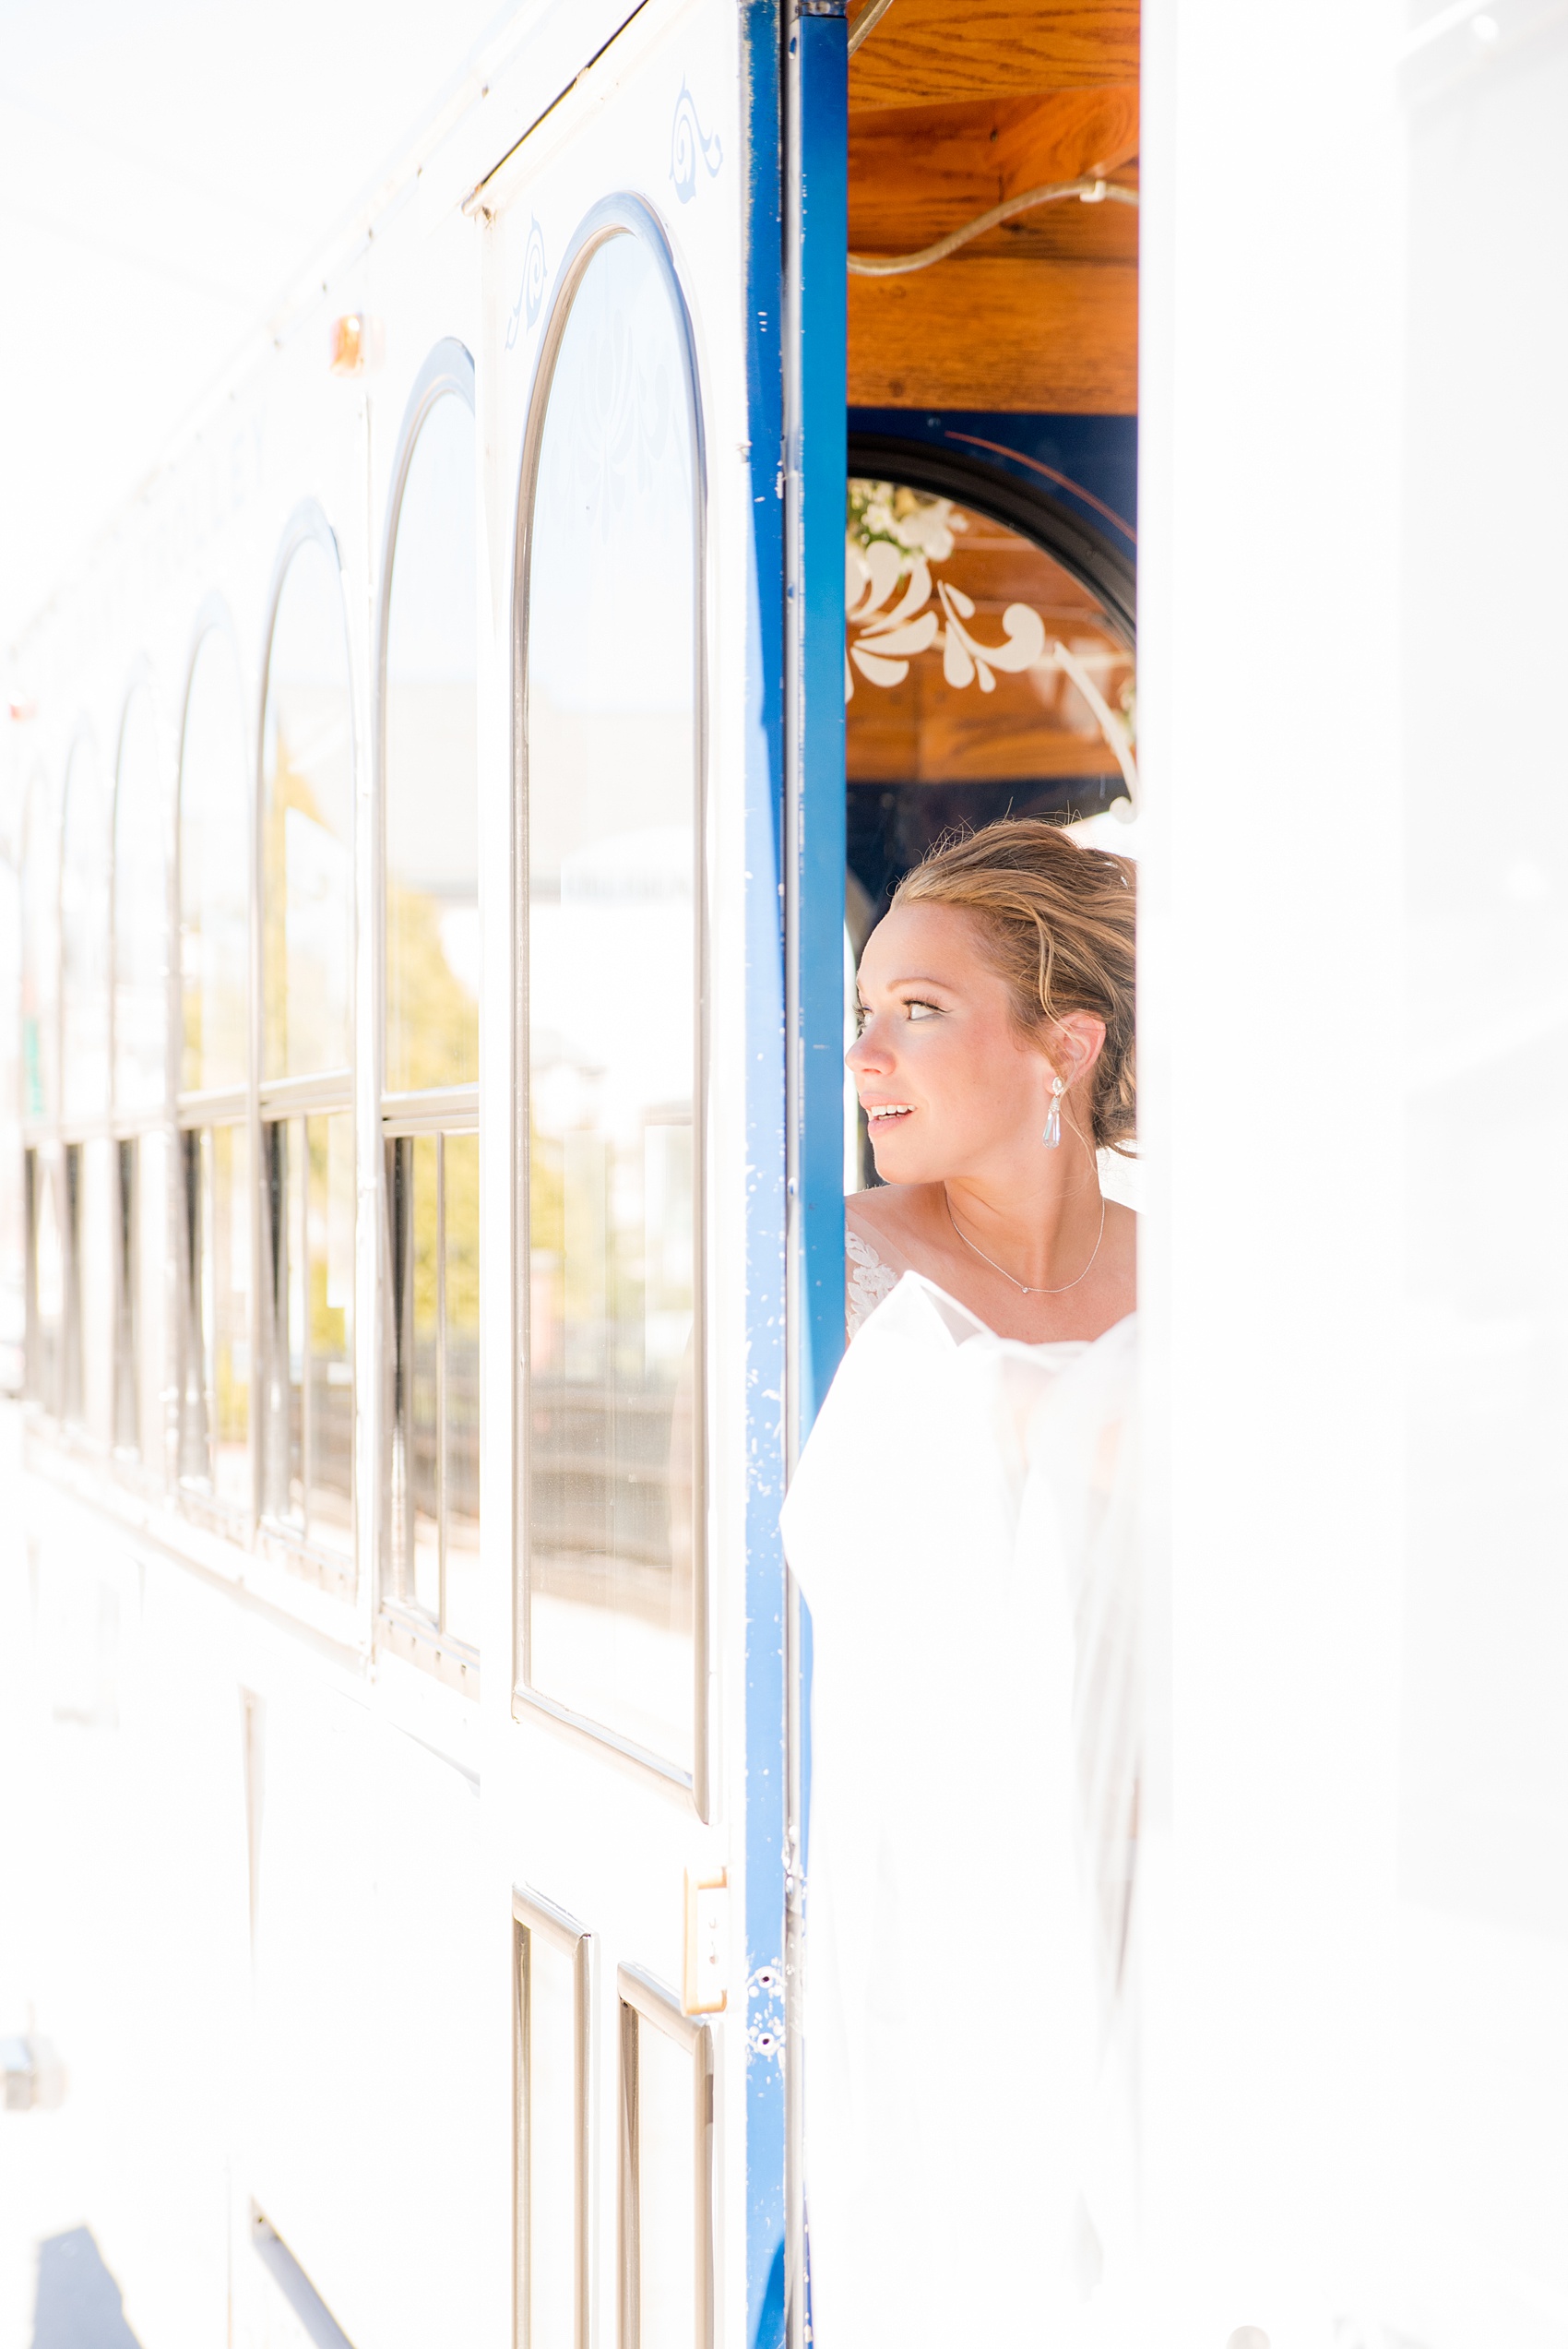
column 1073, row 1044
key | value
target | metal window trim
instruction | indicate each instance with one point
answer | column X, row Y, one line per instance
column 306, row 1096
column 415, row 1640
column 445, row 1109
column 531, row 1913
column 224, row 1105
column 447, row 373
column 613, row 215
column 644, row 1996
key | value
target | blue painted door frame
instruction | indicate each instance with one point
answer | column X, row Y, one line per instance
column 797, row 230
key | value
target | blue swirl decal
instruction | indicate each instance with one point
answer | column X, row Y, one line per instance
column 686, row 143
column 530, row 293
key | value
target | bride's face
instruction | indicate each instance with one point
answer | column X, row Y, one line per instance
column 948, row 1083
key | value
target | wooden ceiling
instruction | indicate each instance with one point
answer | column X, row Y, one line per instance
column 954, row 108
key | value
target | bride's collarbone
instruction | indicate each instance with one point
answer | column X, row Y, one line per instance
column 909, row 1226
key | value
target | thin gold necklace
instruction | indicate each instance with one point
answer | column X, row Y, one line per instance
column 1022, row 1286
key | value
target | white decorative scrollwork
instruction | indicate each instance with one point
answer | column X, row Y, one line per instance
column 687, row 141
column 888, row 638
column 892, row 537
column 530, row 293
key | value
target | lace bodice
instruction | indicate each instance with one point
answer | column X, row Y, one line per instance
column 866, row 1282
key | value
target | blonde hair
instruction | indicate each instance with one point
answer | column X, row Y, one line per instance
column 1060, row 923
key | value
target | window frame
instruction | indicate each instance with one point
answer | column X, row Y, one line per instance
column 447, row 372
column 199, row 1110
column 288, row 1100
column 613, row 215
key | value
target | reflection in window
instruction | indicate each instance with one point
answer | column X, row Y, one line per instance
column 432, row 1182
column 430, row 879
column 307, row 826
column 431, row 766
column 214, row 868
column 41, row 954
column 612, row 798
column 983, row 681
column 84, row 938
column 309, row 1446
column 215, row 1417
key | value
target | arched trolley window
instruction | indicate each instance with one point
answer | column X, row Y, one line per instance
column 305, row 864
column 988, row 672
column 216, row 1258
column 139, row 1033
column 430, row 1025
column 611, row 1609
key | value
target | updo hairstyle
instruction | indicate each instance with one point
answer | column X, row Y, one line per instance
column 1060, row 921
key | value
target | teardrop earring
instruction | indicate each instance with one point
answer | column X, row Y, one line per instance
column 1052, row 1134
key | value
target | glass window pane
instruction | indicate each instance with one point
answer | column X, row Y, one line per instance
column 611, row 801
column 214, row 874
column 307, row 1437
column 425, row 1385
column 141, row 919
column 432, row 815
column 329, row 1240
column 665, row 2186
column 127, row 1398
column 548, row 2161
column 46, row 1276
column 95, row 1285
column 307, row 787
column 282, row 1443
column 460, row 1219
column 41, row 954
column 983, row 681
column 223, row 1299
column 151, row 1308
column 84, row 937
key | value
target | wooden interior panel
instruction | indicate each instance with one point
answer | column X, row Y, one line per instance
column 998, row 332
column 932, row 51
column 918, row 171
column 1030, row 724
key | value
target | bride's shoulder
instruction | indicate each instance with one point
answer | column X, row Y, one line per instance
column 892, row 1218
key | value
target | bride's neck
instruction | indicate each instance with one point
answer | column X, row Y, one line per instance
column 1036, row 1219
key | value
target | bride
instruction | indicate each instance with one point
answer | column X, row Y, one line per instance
column 962, row 1526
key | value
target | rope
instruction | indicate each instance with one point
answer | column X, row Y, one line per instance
column 894, row 265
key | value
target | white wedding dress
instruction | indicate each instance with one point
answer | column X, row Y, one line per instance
column 962, row 1526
